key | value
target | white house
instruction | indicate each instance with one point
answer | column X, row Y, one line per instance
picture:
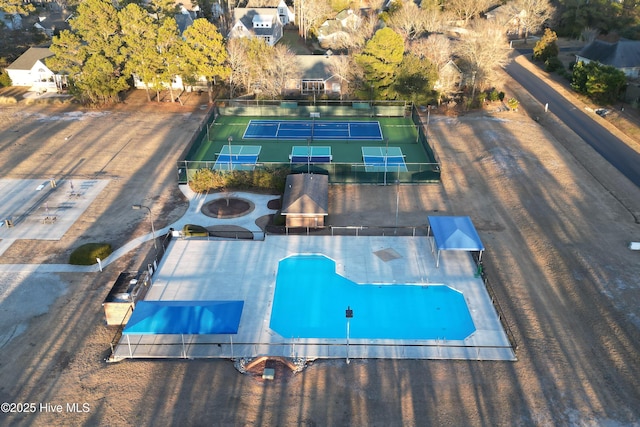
column 30, row 70
column 261, row 22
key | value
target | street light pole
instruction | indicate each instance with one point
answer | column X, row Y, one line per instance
column 349, row 314
column 153, row 229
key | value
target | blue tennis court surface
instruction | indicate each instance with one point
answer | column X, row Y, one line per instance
column 316, row 130
column 237, row 157
column 383, row 159
column 310, row 154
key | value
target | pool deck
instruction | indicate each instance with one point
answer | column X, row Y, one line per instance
column 246, row 270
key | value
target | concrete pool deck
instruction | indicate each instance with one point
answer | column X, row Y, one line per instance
column 246, row 270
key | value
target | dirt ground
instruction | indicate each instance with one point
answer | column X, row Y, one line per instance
column 555, row 218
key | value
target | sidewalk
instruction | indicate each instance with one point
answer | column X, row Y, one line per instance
column 192, row 216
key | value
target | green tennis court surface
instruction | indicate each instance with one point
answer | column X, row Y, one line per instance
column 398, row 131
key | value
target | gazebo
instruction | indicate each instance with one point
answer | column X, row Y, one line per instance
column 453, row 233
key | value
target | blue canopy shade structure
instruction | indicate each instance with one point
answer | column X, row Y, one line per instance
column 184, row 318
column 454, row 233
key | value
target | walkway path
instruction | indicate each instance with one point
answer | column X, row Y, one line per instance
column 192, row 216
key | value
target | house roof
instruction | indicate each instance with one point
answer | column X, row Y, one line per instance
column 27, row 60
column 315, row 67
column 621, row 54
column 306, row 194
column 247, row 17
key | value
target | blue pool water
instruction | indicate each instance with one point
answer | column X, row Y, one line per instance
column 311, row 298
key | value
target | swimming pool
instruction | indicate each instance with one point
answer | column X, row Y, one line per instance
column 311, row 298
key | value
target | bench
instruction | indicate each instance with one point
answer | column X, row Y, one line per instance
column 49, row 220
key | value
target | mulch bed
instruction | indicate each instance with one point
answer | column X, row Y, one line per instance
column 226, row 208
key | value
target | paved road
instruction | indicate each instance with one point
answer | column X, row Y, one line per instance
column 585, row 124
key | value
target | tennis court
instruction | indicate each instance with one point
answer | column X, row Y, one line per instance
column 314, row 130
column 310, row 154
column 383, row 159
column 278, row 130
column 237, row 157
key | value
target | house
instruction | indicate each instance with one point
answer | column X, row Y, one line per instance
column 449, row 77
column 30, row 70
column 11, row 21
column 284, row 12
column 623, row 55
column 332, row 32
column 305, row 202
column 184, row 19
column 257, row 22
column 316, row 76
column 510, row 16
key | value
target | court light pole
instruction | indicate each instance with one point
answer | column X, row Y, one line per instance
column 397, row 202
column 153, row 229
column 230, row 139
column 349, row 314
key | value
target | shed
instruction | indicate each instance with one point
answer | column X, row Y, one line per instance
column 306, row 199
column 128, row 288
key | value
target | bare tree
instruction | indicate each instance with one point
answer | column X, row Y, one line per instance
column 531, row 14
column 344, row 67
column 409, row 21
column 589, row 34
column 310, row 14
column 262, row 3
column 465, row 10
column 437, row 48
column 483, row 49
column 280, row 67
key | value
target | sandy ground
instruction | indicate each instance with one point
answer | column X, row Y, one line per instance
column 555, row 218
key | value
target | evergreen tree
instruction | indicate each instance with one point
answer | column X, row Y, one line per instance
column 139, row 34
column 380, row 60
column 546, row 47
column 205, row 53
column 415, row 79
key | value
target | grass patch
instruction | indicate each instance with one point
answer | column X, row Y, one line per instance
column 87, row 254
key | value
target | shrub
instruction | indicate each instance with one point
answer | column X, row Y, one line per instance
column 546, row 47
column 206, row 179
column 481, row 97
column 279, row 219
column 5, row 80
column 192, row 230
column 494, row 96
column 513, row 104
column 501, row 96
column 552, row 64
column 87, row 254
column 262, row 179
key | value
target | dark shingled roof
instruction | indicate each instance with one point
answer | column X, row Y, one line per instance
column 621, row 54
column 29, row 58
